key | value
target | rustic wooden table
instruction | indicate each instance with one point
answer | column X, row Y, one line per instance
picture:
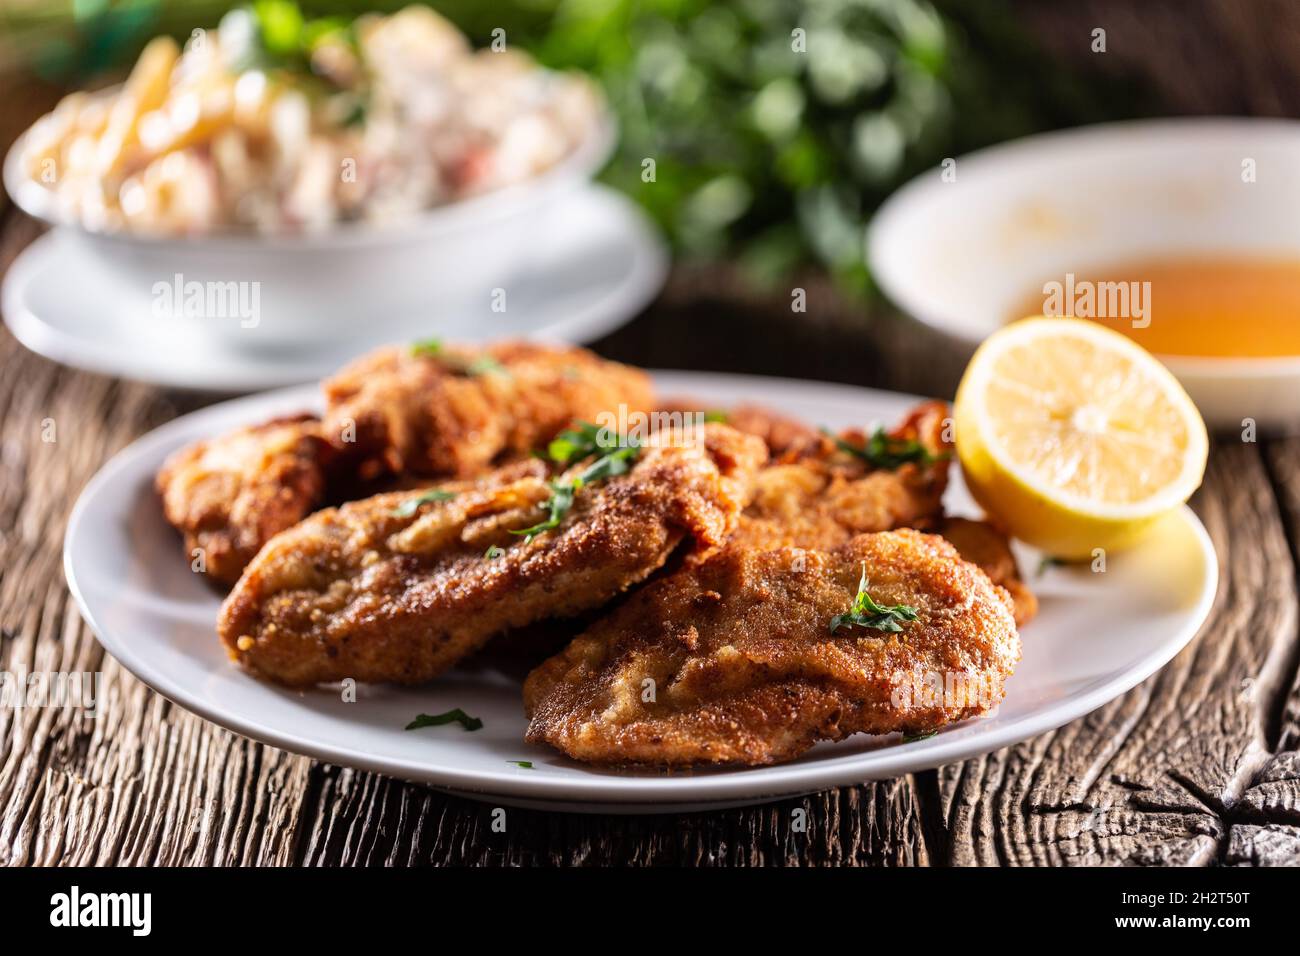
column 1199, row 765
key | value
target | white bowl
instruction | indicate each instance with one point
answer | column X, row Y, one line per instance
column 350, row 282
column 960, row 256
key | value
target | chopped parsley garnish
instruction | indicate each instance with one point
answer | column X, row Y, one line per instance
column 581, row 441
column 557, row 505
column 526, row 764
column 882, row 450
column 485, row 364
column 456, row 716
column 608, row 465
column 616, row 457
column 281, row 26
column 411, row 505
column 913, row 738
column 482, row 365
column 357, row 111
column 494, row 551
column 717, row 415
column 285, row 41
column 865, row 612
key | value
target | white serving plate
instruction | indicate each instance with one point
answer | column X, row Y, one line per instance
column 126, row 569
column 603, row 263
column 960, row 255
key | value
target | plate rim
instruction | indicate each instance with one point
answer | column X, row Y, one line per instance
column 623, row 300
column 613, row 790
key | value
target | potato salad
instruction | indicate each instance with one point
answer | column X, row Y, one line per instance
column 272, row 123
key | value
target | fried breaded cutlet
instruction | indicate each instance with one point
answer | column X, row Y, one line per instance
column 782, row 434
column 819, row 496
column 455, row 410
column 400, row 586
column 230, row 495
column 393, row 415
column 734, row 661
column 981, row 543
column 825, row 494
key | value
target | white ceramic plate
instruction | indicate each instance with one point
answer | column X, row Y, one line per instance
column 959, row 255
column 127, row 572
column 599, row 267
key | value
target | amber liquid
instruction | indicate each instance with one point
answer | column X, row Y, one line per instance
column 1212, row 306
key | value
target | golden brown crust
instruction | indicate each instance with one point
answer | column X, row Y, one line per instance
column 745, row 670
column 981, row 543
column 367, row 592
column 389, row 411
column 462, row 409
column 782, row 434
column 231, row 495
column 821, row 496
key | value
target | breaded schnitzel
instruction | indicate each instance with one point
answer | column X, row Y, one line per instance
column 817, row 495
column 396, row 413
column 825, row 494
column 229, row 496
column 734, row 661
column 979, row 542
column 437, row 409
column 784, row 435
column 400, row 586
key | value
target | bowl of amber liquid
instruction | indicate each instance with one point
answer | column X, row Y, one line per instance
column 1182, row 234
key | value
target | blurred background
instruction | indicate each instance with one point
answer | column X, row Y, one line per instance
column 769, row 164
column 764, row 157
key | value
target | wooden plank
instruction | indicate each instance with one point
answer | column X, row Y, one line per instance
column 145, row 782
column 361, row 819
column 1195, row 766
column 1273, row 801
column 1159, row 775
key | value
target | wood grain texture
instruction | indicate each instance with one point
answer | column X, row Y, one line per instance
column 1197, row 766
column 1161, row 774
column 145, row 782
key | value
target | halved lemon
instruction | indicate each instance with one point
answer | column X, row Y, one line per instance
column 1074, row 436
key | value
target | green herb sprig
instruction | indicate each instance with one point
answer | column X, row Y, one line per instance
column 581, row 441
column 481, row 365
column 1048, row 563
column 886, row 452
column 456, row 716
column 865, row 612
column 616, row 454
column 426, row 348
column 285, row 41
column 411, row 505
column 485, row 365
column 913, row 738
